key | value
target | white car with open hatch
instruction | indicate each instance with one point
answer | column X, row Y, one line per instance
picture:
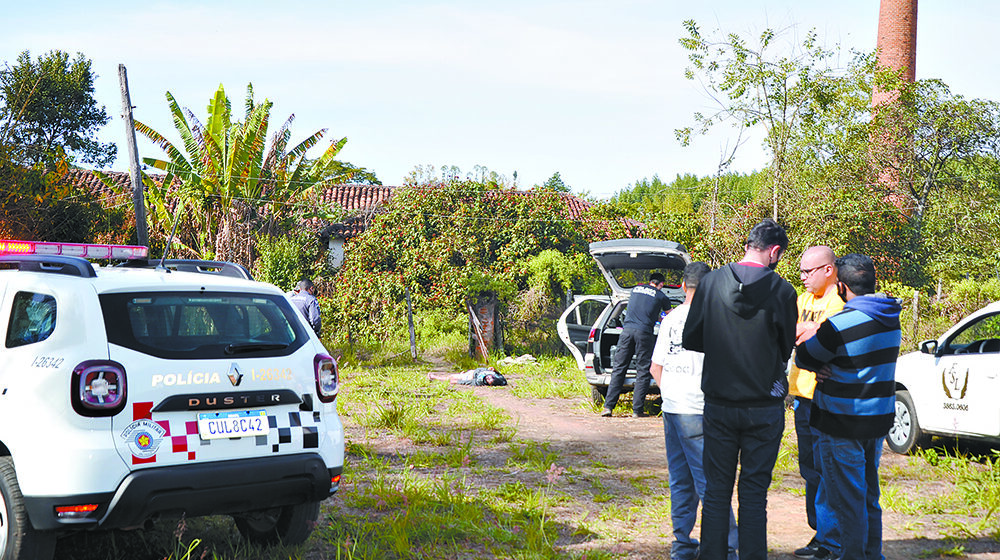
column 591, row 325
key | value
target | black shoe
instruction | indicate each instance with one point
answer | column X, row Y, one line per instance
column 809, row 550
column 606, row 413
column 824, row 554
column 639, row 415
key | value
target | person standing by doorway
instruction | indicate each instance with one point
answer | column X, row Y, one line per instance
column 643, row 311
column 304, row 299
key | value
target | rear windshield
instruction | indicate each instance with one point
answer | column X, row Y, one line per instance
column 631, row 277
column 186, row 325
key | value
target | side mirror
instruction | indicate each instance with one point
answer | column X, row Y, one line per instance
column 929, row 346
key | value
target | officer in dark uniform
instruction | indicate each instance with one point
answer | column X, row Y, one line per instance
column 642, row 313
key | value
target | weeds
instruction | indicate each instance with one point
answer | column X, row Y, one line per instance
column 550, row 377
column 957, row 551
column 532, row 455
column 787, row 463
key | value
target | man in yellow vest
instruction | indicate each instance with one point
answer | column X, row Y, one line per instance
column 819, row 301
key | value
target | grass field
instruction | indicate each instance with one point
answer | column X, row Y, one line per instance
column 433, row 472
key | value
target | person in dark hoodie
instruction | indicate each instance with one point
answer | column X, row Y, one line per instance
column 742, row 318
column 854, row 354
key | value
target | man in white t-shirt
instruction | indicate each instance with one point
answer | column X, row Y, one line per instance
column 678, row 374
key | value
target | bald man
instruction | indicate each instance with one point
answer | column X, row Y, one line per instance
column 820, row 300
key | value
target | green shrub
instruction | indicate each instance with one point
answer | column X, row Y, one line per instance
column 437, row 328
column 286, row 259
column 936, row 315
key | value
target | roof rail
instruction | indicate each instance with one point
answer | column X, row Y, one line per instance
column 52, row 264
column 219, row 268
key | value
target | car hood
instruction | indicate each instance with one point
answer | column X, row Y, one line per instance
column 620, row 258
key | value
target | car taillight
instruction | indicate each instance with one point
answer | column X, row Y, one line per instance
column 590, row 337
column 80, row 511
column 98, row 388
column 326, row 377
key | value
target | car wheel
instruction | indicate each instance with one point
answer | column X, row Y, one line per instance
column 905, row 433
column 289, row 525
column 18, row 539
column 598, row 394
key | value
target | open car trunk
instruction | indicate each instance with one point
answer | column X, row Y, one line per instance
column 591, row 326
column 625, row 264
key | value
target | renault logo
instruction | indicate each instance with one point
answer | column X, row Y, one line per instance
column 235, row 375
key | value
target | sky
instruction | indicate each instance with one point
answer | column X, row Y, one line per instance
column 591, row 89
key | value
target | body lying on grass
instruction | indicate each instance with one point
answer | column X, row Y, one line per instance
column 478, row 377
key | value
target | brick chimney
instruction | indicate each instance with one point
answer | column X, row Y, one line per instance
column 897, row 36
column 897, row 50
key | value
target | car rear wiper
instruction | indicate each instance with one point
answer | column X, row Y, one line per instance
column 253, row 347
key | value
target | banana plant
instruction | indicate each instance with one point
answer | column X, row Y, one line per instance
column 227, row 182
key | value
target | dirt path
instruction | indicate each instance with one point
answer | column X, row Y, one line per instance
column 633, row 445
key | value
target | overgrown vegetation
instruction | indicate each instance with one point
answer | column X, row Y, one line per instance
column 448, row 239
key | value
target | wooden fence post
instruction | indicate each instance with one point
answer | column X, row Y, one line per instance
column 409, row 318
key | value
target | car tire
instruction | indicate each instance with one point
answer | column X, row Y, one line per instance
column 598, row 394
column 905, row 434
column 18, row 539
column 288, row 525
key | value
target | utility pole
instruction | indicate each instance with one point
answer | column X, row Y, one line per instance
column 138, row 201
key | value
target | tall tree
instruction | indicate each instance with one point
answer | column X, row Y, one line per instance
column 555, row 184
column 755, row 85
column 951, row 140
column 48, row 109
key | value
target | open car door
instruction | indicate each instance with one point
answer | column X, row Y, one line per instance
column 577, row 322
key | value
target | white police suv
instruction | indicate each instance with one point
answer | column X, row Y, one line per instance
column 145, row 389
column 950, row 386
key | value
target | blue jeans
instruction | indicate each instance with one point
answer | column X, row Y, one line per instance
column 641, row 345
column 749, row 437
column 817, row 511
column 849, row 487
column 685, row 443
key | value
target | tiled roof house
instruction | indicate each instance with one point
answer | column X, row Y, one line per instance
column 361, row 203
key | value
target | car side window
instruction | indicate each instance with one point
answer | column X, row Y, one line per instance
column 586, row 313
column 32, row 319
column 980, row 336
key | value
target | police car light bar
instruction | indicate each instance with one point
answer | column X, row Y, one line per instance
column 85, row 250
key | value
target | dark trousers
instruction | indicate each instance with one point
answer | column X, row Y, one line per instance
column 809, row 466
column 748, row 437
column 638, row 343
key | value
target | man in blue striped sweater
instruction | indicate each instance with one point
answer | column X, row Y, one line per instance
column 854, row 354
